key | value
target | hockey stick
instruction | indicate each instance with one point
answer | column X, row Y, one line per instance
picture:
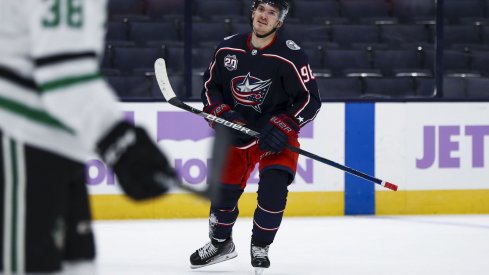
column 169, row 94
column 220, row 146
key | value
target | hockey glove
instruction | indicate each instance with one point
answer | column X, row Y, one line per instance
column 141, row 168
column 276, row 133
column 225, row 112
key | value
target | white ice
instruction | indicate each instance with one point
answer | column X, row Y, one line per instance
column 363, row 245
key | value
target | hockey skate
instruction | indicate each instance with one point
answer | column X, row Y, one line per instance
column 213, row 253
column 259, row 258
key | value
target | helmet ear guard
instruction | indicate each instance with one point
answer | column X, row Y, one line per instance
column 282, row 5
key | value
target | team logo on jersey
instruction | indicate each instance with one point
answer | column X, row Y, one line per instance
column 291, row 44
column 231, row 62
column 250, row 91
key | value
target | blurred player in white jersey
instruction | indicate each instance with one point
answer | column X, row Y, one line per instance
column 55, row 111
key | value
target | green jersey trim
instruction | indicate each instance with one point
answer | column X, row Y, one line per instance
column 32, row 114
column 70, row 81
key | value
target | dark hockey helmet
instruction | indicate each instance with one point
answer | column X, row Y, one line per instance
column 282, row 5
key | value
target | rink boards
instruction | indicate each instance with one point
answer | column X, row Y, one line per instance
column 435, row 152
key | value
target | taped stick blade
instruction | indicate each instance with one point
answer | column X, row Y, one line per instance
column 162, row 79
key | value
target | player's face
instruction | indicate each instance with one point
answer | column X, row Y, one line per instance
column 265, row 18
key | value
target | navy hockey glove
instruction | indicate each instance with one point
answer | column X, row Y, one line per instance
column 225, row 112
column 141, row 168
column 276, row 133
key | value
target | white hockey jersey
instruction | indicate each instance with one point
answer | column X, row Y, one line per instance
column 52, row 95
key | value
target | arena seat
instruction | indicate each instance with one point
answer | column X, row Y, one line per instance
column 393, row 88
column 118, row 7
column 305, row 32
column 340, row 61
column 454, row 88
column 161, row 8
column 345, row 35
column 413, row 10
column 128, row 59
column 477, row 87
column 339, row 88
column 208, row 8
column 456, row 9
column 399, row 34
column 143, row 32
column 130, row 86
column 205, row 33
column 357, row 9
column 308, row 11
column 391, row 62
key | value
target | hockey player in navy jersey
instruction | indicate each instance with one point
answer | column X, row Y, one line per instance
column 263, row 81
column 56, row 111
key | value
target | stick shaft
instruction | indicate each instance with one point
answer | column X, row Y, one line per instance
column 176, row 102
column 169, row 94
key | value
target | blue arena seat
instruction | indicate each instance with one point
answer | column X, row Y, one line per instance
column 128, row 59
column 396, row 88
column 480, row 61
column 391, row 62
column 315, row 56
column 116, row 31
column 347, row 34
column 454, row 88
column 202, row 57
column 117, row 7
column 397, row 35
column 477, row 87
column 209, row 8
column 456, row 9
column 339, row 61
column 205, row 33
column 339, row 88
column 142, row 32
column 130, row 87
column 425, row 87
column 461, row 34
column 453, row 60
column 356, row 9
column 485, row 34
column 413, row 10
column 241, row 27
column 305, row 32
column 174, row 56
column 161, row 8
column 197, row 85
column 308, row 11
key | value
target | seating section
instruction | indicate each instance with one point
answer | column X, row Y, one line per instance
column 358, row 49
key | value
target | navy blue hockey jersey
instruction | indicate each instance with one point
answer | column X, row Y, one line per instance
column 261, row 83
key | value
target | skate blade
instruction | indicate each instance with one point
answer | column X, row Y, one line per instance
column 230, row 256
column 259, row 270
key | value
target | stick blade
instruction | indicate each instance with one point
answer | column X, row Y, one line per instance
column 162, row 79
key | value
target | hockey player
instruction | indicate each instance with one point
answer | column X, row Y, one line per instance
column 264, row 82
column 55, row 111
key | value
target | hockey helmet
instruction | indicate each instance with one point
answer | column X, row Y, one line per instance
column 282, row 5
